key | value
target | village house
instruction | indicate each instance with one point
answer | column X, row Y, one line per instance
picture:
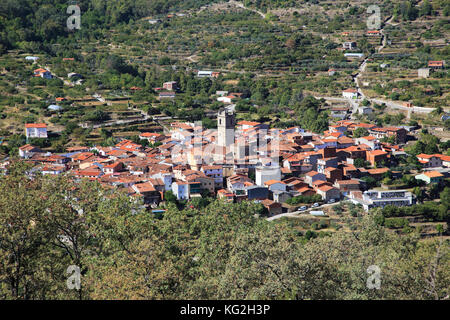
column 151, row 137
column 430, row 177
column 200, row 181
column 376, row 156
column 423, row 72
column 350, row 171
column 215, row 172
column 430, row 160
column 370, row 141
column 27, row 151
column 181, row 190
column 376, row 173
column 399, row 133
column 436, row 64
column 31, row 58
column 36, row 130
column 354, row 55
column 236, row 183
column 207, row 74
column 256, row 193
column 43, row 73
column 339, row 113
column 350, row 93
column 53, row 169
column 313, row 176
column 170, row 86
column 225, row 195
column 333, row 174
column 346, row 186
column 445, row 161
column 92, row 173
column 373, row 33
column 275, row 185
column 113, row 168
column 328, row 192
column 167, row 95
column 328, row 160
column 148, row 192
column 281, row 196
column 266, row 173
column 272, row 207
column 349, row 45
column 221, row 93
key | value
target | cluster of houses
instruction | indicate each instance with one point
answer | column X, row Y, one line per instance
column 43, row 73
column 240, row 161
column 432, row 66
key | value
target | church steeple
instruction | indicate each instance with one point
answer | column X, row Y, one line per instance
column 225, row 127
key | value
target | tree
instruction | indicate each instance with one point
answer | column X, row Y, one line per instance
column 221, row 251
column 370, row 182
column 359, row 163
column 23, row 235
column 360, row 132
column 169, row 196
column 419, row 193
column 425, row 9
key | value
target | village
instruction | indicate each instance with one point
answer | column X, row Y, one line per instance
column 286, row 170
column 200, row 150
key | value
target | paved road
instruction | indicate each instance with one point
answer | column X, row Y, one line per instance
column 296, row 213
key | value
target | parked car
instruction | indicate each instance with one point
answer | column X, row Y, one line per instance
column 315, row 205
column 303, row 208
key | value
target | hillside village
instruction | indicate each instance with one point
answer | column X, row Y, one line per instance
column 248, row 161
column 224, row 149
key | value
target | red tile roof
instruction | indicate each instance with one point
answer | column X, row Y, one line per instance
column 35, row 125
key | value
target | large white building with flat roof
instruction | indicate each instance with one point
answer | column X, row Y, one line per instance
column 374, row 199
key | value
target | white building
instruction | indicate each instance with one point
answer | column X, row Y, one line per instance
column 27, row 151
column 221, row 93
column 267, row 173
column 354, row 55
column 423, row 72
column 365, row 110
column 373, row 199
column 36, row 130
column 31, row 58
column 181, row 190
column 204, row 74
column 349, row 45
column 350, row 93
column 226, row 99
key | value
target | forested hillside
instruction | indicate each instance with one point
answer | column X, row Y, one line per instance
column 39, row 22
column 219, row 251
